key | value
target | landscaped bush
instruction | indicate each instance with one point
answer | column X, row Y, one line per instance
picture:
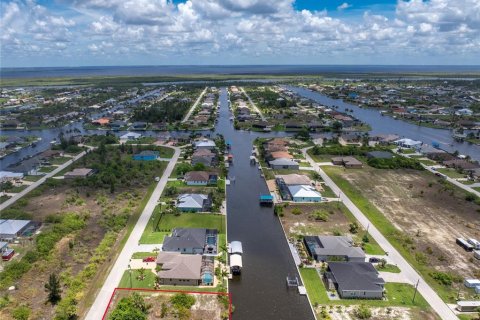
column 445, row 279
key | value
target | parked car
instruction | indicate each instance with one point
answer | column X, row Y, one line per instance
column 374, row 260
column 149, row 259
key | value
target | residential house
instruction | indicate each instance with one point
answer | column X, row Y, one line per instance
column 8, row 176
column 200, row 178
column 194, row 202
column 146, row 155
column 284, row 163
column 179, row 269
column 204, row 144
column 131, row 136
column 11, row 229
column 408, row 143
column 304, row 193
column 191, row 241
column 347, row 162
column 139, row 126
column 461, row 164
column 354, row 280
column 333, row 248
column 280, row 155
column 79, row 173
column 204, row 156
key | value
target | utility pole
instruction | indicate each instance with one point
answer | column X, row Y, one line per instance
column 130, row 272
column 416, row 289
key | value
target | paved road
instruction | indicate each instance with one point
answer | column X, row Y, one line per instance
column 254, row 105
column 194, row 106
column 121, row 264
column 410, row 274
column 40, row 181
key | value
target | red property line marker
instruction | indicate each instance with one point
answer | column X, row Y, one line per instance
column 170, row 291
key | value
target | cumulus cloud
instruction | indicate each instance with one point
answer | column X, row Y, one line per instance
column 245, row 29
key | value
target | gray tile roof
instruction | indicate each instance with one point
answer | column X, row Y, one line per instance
column 356, row 276
column 185, row 238
column 334, row 246
column 179, row 266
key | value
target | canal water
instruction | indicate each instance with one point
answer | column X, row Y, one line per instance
column 260, row 292
column 385, row 124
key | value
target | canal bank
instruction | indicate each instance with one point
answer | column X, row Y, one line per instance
column 261, row 291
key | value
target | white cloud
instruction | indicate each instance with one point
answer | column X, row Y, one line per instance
column 344, row 6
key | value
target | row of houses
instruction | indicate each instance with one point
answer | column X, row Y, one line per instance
column 277, row 155
column 347, row 272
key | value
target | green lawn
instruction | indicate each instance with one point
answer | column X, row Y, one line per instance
column 328, row 192
column 47, row 169
column 398, row 294
column 141, row 255
column 184, row 220
column 476, row 188
column 388, row 230
column 59, row 160
column 17, row 189
column 389, row 268
column 452, row 173
column 320, row 157
column 427, row 162
column 149, row 281
column 32, row 178
column 372, row 247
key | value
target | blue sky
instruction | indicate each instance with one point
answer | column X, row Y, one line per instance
column 162, row 32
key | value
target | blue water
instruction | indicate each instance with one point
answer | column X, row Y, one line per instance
column 48, row 72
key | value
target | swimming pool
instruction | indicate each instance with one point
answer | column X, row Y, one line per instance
column 207, row 278
column 211, row 240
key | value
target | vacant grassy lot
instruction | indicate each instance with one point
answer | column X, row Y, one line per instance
column 158, row 228
column 421, row 216
column 452, row 173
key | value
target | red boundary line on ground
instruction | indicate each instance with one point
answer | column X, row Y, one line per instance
column 181, row 291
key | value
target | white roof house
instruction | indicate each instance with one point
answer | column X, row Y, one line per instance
column 204, row 144
column 10, row 228
column 304, row 193
column 408, row 143
column 464, row 112
column 7, row 175
column 131, row 136
column 191, row 201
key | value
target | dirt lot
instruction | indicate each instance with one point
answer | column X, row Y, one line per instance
column 207, row 306
column 428, row 210
column 71, row 253
column 305, row 224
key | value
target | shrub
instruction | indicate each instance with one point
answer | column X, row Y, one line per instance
column 296, row 211
column 363, row 312
column 21, row 313
column 182, row 300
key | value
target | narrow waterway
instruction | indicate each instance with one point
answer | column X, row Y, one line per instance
column 388, row 125
column 260, row 292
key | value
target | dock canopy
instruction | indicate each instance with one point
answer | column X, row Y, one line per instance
column 236, row 247
column 266, row 198
column 236, row 261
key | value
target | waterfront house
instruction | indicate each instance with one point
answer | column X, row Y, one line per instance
column 304, row 193
column 354, row 280
column 131, row 136
column 283, row 163
column 200, row 178
column 204, row 156
column 179, row 269
column 408, row 143
column 191, row 241
column 146, row 155
column 333, row 248
column 194, row 202
column 204, row 144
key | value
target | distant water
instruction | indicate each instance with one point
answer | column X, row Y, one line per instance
column 53, row 72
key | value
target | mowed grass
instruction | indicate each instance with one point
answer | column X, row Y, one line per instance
column 398, row 294
column 184, row 220
column 389, row 268
column 452, row 173
column 387, row 229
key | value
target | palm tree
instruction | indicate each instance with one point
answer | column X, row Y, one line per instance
column 141, row 274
